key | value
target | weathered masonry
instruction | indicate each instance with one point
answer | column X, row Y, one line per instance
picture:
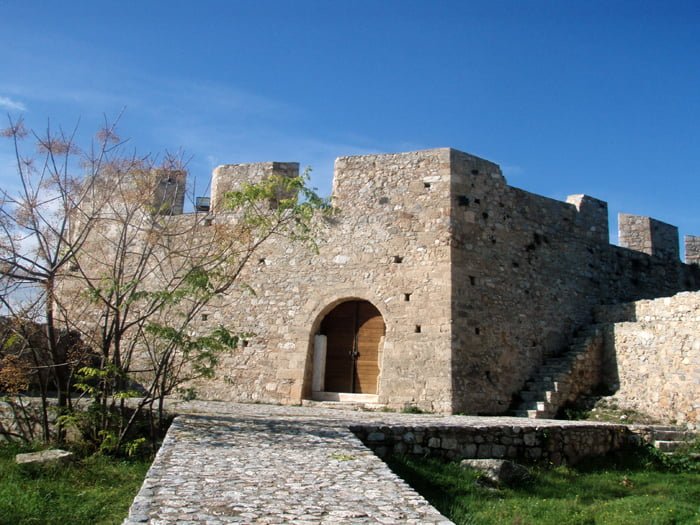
column 437, row 285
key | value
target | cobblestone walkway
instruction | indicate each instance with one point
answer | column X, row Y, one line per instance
column 234, row 463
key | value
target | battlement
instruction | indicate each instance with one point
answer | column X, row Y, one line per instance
column 692, row 249
column 592, row 216
column 231, row 177
column 169, row 192
column 649, row 236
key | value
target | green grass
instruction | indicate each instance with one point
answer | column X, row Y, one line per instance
column 633, row 490
column 94, row 490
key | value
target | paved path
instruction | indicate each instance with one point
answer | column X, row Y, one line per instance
column 237, row 463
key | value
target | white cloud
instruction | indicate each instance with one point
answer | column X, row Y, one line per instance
column 11, row 105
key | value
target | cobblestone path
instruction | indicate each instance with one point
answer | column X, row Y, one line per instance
column 237, row 463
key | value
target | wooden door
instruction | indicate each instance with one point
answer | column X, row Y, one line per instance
column 353, row 330
column 370, row 330
column 339, row 328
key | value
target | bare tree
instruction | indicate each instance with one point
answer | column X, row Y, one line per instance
column 37, row 242
column 112, row 260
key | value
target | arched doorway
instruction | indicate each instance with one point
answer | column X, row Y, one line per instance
column 354, row 331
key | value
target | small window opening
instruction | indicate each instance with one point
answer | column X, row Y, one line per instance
column 477, row 201
column 485, row 215
column 417, row 329
column 475, row 172
column 205, row 317
column 426, row 185
column 244, row 343
column 472, row 280
column 407, row 297
column 463, row 200
column 208, row 222
column 262, row 260
column 397, row 259
column 477, row 330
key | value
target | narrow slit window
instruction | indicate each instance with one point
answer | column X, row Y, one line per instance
column 407, row 297
column 418, row 329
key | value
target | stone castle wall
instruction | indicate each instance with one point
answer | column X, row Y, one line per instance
column 388, row 244
column 648, row 235
column 476, row 281
column 692, row 249
column 526, row 273
column 652, row 356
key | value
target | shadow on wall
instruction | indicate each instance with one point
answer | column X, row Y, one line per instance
column 610, row 376
column 607, row 316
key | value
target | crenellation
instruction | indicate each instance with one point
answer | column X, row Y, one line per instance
column 464, row 283
column 649, row 236
column 169, row 194
column 592, row 215
column 232, row 177
column 692, row 249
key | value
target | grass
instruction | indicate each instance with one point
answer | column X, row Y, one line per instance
column 633, row 489
column 94, row 490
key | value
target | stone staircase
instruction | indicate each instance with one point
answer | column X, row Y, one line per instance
column 344, row 401
column 563, row 378
column 667, row 439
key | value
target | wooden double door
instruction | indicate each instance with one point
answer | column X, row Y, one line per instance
column 354, row 332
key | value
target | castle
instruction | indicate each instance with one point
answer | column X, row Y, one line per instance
column 437, row 285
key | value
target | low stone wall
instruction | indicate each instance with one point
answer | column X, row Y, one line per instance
column 556, row 445
column 652, row 357
column 20, row 419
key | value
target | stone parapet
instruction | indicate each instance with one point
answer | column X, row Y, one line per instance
column 232, row 177
column 692, row 249
column 555, row 445
column 649, row 236
column 592, row 216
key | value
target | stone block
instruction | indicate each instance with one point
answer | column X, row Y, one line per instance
column 45, row 457
column 498, row 471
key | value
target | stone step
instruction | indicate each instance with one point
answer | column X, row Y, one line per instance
column 553, row 397
column 668, row 446
column 550, row 386
column 531, row 414
column 673, row 435
column 344, row 405
column 540, row 406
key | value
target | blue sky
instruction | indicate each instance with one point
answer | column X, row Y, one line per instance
column 568, row 97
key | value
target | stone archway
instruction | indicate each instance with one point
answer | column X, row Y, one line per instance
column 353, row 332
